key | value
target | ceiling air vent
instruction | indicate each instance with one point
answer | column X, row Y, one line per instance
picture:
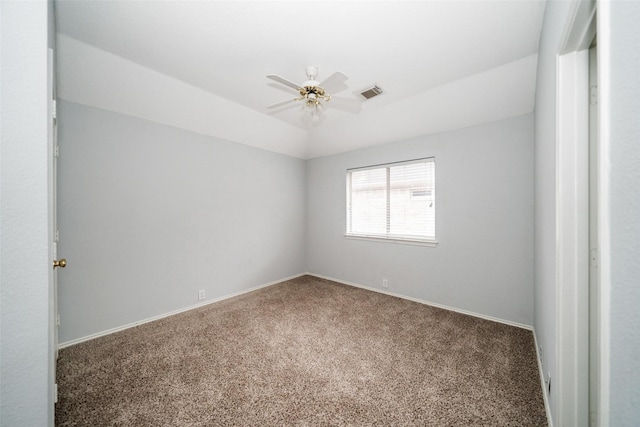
column 370, row 92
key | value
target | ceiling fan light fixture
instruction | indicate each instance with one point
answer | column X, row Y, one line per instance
column 311, row 108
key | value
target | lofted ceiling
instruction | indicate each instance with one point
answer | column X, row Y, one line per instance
column 202, row 66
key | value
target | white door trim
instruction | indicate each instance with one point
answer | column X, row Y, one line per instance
column 53, row 338
column 572, row 217
column 594, row 286
column 572, row 196
column 604, row 221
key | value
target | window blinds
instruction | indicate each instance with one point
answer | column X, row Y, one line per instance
column 394, row 201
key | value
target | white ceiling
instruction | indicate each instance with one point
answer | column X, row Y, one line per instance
column 202, row 66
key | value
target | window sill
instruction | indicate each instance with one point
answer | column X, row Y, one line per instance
column 414, row 242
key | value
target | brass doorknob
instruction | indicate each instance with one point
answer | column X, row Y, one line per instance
column 61, row 263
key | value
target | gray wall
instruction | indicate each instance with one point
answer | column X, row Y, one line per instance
column 555, row 17
column 484, row 222
column 25, row 351
column 624, row 140
column 150, row 214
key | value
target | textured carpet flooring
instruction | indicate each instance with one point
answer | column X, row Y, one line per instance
column 305, row 352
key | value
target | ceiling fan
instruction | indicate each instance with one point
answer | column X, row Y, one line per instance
column 313, row 93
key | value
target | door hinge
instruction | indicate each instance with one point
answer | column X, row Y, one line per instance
column 57, row 320
column 54, row 109
column 593, row 95
column 56, row 151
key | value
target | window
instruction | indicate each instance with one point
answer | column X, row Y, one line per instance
column 394, row 202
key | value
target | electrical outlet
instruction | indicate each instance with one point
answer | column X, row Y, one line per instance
column 201, row 294
column 385, row 284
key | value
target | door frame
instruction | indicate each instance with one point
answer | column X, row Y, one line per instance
column 51, row 285
column 594, row 285
column 572, row 216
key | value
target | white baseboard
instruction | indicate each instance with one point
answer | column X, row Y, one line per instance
column 181, row 310
column 542, row 382
column 433, row 304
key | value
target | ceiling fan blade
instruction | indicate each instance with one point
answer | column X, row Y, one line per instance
column 284, row 81
column 282, row 104
column 349, row 105
column 334, row 83
column 278, row 86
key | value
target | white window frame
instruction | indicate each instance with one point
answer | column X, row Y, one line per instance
column 389, row 238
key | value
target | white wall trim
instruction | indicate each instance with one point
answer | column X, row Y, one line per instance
column 433, row 304
column 547, row 408
column 171, row 313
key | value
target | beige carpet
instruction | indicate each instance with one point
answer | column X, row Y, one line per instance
column 305, row 352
